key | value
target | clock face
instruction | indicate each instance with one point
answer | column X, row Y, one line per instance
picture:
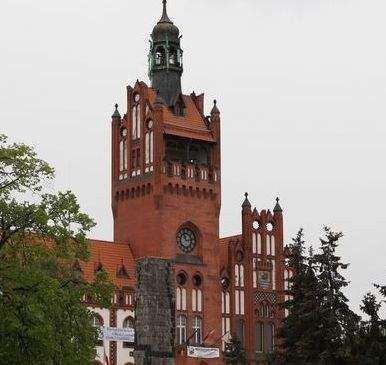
column 124, row 132
column 186, row 240
column 136, row 98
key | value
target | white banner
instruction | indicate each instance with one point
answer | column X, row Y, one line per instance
column 116, row 334
column 203, row 352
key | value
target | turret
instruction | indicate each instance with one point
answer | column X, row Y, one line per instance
column 165, row 61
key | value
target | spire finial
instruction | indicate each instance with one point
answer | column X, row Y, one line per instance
column 277, row 206
column 164, row 18
column 116, row 112
column 215, row 109
column 246, row 203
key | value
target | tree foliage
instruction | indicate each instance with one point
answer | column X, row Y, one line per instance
column 42, row 235
column 372, row 333
column 234, row 352
column 321, row 328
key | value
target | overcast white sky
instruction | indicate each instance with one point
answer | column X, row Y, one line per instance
column 301, row 85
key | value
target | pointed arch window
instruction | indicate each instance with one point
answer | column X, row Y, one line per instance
column 181, row 299
column 123, row 154
column 196, row 300
column 136, row 122
column 149, row 143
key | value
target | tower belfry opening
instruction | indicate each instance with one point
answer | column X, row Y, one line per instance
column 165, row 62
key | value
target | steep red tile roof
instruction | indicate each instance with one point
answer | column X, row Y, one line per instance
column 190, row 125
column 111, row 255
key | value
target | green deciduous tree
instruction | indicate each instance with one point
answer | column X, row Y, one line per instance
column 42, row 317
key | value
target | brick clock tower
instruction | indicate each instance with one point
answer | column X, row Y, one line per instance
column 166, row 199
column 166, row 184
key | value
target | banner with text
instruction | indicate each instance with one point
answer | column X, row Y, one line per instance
column 203, row 352
column 116, row 334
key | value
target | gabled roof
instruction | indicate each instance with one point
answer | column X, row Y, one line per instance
column 110, row 255
column 190, row 125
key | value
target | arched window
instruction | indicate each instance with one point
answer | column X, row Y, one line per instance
column 160, row 56
column 196, row 300
column 197, row 330
column 268, row 244
column 128, row 323
column 242, row 275
column 237, row 275
column 172, row 57
column 225, row 302
column 123, row 155
column 149, row 146
column 136, row 121
column 180, row 329
column 181, row 299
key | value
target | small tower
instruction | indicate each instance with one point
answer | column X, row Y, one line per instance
column 165, row 60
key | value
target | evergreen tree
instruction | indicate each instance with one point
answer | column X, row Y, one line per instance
column 298, row 332
column 338, row 325
column 234, row 352
column 372, row 333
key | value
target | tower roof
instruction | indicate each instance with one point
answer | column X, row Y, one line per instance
column 165, row 29
column 277, row 206
column 215, row 109
column 116, row 112
column 246, row 203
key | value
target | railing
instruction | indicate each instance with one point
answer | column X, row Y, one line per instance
column 189, row 171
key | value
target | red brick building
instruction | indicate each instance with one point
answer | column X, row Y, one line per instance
column 166, row 201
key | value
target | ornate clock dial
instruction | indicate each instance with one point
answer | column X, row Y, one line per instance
column 186, row 240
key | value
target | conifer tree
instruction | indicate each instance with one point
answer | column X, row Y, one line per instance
column 297, row 333
column 372, row 333
column 338, row 325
